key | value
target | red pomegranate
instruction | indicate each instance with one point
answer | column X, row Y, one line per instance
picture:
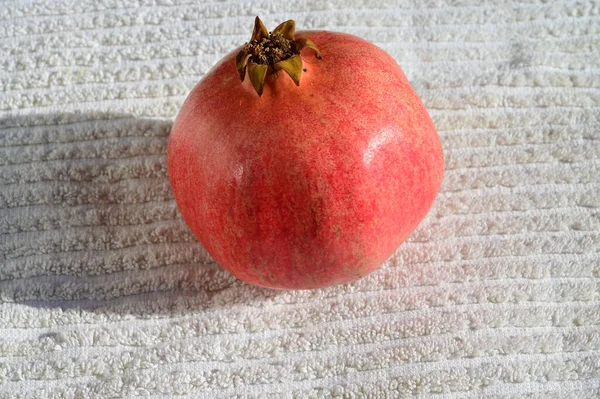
column 311, row 171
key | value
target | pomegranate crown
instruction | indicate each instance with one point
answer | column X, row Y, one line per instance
column 272, row 52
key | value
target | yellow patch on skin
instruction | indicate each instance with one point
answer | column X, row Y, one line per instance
column 358, row 253
column 337, row 230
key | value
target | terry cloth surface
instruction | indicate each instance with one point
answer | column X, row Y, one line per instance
column 104, row 292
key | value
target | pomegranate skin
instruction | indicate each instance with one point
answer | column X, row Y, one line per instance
column 309, row 186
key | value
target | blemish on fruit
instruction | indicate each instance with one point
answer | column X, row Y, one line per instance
column 337, row 231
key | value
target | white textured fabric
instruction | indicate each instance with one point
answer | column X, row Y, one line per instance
column 104, row 292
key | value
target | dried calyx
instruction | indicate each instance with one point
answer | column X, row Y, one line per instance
column 268, row 52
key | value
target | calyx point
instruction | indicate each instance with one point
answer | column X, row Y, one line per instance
column 268, row 52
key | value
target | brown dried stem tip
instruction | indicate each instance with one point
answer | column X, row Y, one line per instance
column 272, row 51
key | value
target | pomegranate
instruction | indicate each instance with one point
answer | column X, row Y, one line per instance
column 303, row 160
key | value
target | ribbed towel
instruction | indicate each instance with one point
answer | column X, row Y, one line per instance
column 104, row 292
